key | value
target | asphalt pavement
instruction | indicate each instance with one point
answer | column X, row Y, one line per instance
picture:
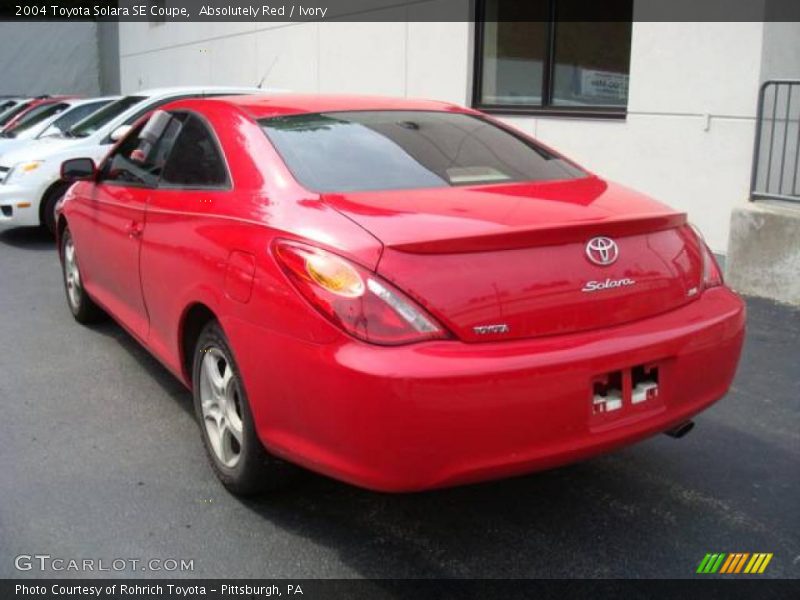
column 100, row 458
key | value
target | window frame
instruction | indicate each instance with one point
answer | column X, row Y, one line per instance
column 546, row 108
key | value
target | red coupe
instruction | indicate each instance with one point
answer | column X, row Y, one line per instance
column 399, row 294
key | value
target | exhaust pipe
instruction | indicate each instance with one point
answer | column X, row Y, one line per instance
column 681, row 430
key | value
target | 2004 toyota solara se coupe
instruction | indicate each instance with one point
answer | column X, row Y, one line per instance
column 399, row 294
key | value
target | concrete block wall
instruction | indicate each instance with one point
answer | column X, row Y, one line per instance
column 49, row 58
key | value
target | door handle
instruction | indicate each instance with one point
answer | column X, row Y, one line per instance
column 134, row 230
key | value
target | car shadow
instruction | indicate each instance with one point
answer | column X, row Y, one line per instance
column 28, row 238
column 171, row 386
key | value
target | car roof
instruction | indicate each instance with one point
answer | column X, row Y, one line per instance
column 81, row 101
column 265, row 106
column 188, row 89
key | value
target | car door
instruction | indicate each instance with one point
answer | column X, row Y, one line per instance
column 113, row 222
column 185, row 245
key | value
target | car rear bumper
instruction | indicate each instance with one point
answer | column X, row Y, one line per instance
column 445, row 413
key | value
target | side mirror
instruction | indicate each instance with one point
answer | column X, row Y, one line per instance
column 120, row 132
column 78, row 169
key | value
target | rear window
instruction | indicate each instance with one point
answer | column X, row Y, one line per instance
column 389, row 150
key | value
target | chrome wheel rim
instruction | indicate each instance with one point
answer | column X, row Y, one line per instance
column 72, row 274
column 221, row 405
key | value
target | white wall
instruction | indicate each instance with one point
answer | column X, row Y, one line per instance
column 688, row 136
column 390, row 58
column 49, row 58
column 687, row 139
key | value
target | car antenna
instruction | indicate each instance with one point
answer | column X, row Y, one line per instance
column 268, row 71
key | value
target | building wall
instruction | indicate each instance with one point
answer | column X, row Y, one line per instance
column 687, row 139
column 108, row 48
column 49, row 58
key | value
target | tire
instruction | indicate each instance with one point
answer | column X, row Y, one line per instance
column 51, row 198
column 80, row 304
column 226, row 423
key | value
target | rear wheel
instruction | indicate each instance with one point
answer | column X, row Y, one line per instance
column 80, row 304
column 233, row 448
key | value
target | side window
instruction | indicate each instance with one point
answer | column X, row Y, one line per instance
column 195, row 160
column 69, row 118
column 139, row 159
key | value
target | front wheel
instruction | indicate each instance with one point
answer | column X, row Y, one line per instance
column 80, row 304
column 233, row 448
column 49, row 202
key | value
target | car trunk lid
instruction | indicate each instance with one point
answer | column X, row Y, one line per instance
column 510, row 262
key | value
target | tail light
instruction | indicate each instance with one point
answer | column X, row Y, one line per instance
column 354, row 298
column 712, row 274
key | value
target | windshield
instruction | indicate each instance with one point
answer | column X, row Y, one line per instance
column 91, row 124
column 33, row 117
column 72, row 116
column 13, row 112
column 389, row 150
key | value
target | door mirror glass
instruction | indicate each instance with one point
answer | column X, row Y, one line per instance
column 77, row 169
column 120, row 132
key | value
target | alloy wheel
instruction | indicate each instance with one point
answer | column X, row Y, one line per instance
column 220, row 401
column 72, row 274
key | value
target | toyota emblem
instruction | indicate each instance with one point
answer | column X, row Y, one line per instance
column 602, row 251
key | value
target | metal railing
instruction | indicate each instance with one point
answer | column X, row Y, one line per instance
column 776, row 157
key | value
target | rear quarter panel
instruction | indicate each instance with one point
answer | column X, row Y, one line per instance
column 197, row 240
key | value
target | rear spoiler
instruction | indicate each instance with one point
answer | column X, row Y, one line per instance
column 547, row 235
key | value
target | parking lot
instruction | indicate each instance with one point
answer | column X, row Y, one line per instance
column 101, row 458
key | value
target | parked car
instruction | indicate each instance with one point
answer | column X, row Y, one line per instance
column 399, row 294
column 30, row 182
column 14, row 114
column 49, row 120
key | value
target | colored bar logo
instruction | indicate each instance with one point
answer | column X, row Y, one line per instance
column 734, row 563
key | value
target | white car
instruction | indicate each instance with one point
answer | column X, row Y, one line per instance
column 49, row 120
column 30, row 178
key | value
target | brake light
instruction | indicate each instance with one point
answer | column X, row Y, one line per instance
column 712, row 274
column 356, row 299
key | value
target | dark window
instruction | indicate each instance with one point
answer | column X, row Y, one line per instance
column 33, row 117
column 95, row 121
column 380, row 150
column 139, row 159
column 13, row 112
column 538, row 56
column 72, row 116
column 195, row 160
